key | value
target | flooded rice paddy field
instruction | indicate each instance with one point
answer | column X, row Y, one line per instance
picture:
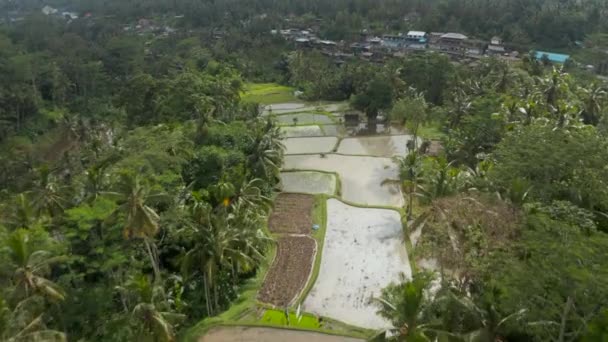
column 309, row 182
column 310, row 145
column 382, row 146
column 303, row 119
column 363, row 253
column 302, row 131
column 362, row 178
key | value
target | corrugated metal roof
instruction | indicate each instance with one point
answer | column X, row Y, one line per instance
column 416, row 33
column 454, row 36
column 553, row 57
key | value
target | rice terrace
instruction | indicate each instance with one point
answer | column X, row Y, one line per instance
column 337, row 225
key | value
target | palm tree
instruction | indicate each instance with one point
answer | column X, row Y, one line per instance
column 150, row 315
column 266, row 156
column 406, row 306
column 461, row 104
column 228, row 240
column 21, row 214
column 411, row 174
column 141, row 220
column 593, row 99
column 31, row 267
column 489, row 322
column 96, row 180
column 25, row 323
column 46, row 197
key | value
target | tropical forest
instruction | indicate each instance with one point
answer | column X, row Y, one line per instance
column 310, row 170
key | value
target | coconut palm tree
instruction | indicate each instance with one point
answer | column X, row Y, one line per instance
column 489, row 322
column 411, row 174
column 140, row 220
column 46, row 197
column 21, row 213
column 151, row 315
column 594, row 99
column 461, row 104
column 406, row 306
column 31, row 267
column 228, row 240
column 266, row 156
column 24, row 322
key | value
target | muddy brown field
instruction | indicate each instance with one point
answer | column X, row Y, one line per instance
column 253, row 334
column 290, row 270
column 292, row 214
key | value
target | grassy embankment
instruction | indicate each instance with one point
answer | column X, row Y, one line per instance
column 268, row 93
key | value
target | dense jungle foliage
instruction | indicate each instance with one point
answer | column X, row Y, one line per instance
column 135, row 181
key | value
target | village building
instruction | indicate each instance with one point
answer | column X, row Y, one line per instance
column 551, row 56
column 495, row 47
column 474, row 47
column 48, row 10
column 416, row 40
column 375, row 41
column 433, row 39
column 394, row 41
column 453, row 42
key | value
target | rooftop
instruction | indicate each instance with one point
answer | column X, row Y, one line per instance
column 454, row 36
column 553, row 57
column 416, row 33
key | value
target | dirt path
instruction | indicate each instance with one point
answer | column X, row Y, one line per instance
column 254, row 334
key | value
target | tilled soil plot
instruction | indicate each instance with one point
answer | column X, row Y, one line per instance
column 291, row 214
column 290, row 270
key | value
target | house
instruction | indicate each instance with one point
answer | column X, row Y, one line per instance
column 375, row 40
column 302, row 41
column 360, row 47
column 495, row 50
column 496, row 41
column 551, row 56
column 473, row 47
column 453, row 42
column 416, row 35
column 433, row 39
column 48, row 10
column 394, row 41
column 70, row 15
column 495, row 47
column 416, row 40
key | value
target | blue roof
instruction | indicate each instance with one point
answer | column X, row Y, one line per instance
column 553, row 57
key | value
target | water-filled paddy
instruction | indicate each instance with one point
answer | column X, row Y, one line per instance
column 309, row 182
column 303, row 119
column 310, row 145
column 382, row 146
column 302, row 131
column 362, row 178
column 363, row 252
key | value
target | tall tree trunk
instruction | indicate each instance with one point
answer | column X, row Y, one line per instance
column 207, row 299
column 153, row 259
column 562, row 326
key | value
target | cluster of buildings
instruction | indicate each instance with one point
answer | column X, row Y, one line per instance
column 377, row 48
column 48, row 10
column 305, row 38
column 144, row 26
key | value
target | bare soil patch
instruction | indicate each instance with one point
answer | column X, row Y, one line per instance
column 290, row 271
column 292, row 214
column 255, row 334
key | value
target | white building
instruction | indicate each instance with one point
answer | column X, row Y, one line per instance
column 48, row 10
column 416, row 35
